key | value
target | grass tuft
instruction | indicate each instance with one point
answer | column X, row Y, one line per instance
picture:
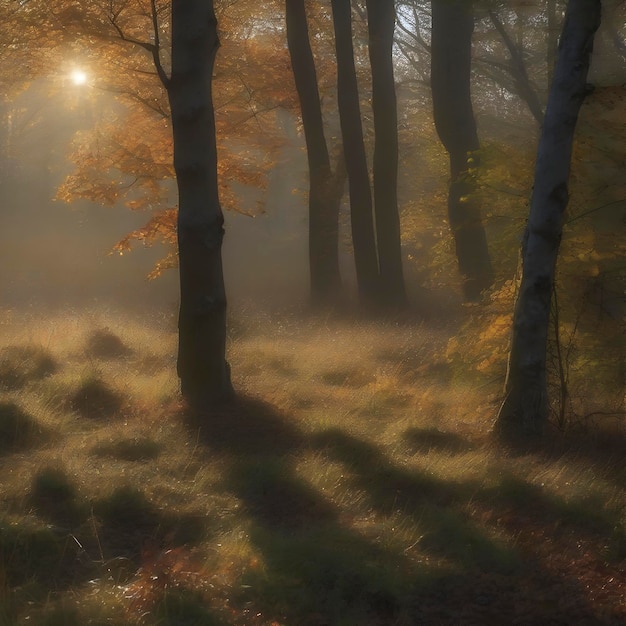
column 94, row 399
column 103, row 344
column 20, row 365
column 352, row 481
column 18, row 429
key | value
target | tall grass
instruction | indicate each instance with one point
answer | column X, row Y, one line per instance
column 352, row 482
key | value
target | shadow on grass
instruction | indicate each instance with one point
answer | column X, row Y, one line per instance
column 181, row 606
column 19, row 430
column 38, row 556
column 128, row 523
column 20, row 365
column 422, row 440
column 352, row 377
column 245, row 427
column 80, row 540
column 430, row 501
column 54, row 497
column 137, row 449
column 602, row 449
column 316, row 569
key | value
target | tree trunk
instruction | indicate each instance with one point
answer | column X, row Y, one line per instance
column 551, row 39
column 381, row 24
column 524, row 412
column 361, row 212
column 323, row 205
column 451, row 43
column 202, row 366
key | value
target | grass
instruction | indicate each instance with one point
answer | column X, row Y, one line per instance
column 353, row 481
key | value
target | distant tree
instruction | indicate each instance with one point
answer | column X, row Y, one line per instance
column 325, row 187
column 451, row 42
column 524, row 412
column 381, row 25
column 361, row 207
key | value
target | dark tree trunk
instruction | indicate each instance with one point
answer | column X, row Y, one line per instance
column 381, row 24
column 452, row 27
column 323, row 201
column 524, row 412
column 551, row 39
column 361, row 211
column 202, row 366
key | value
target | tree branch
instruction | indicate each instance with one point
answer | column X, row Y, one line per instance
column 153, row 48
column 517, row 69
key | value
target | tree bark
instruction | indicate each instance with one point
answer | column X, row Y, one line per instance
column 451, row 43
column 551, row 39
column 323, row 200
column 381, row 24
column 524, row 413
column 202, row 366
column 361, row 210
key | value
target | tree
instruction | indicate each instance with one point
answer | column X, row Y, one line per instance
column 451, row 41
column 325, row 189
column 361, row 209
column 381, row 23
column 202, row 366
column 524, row 412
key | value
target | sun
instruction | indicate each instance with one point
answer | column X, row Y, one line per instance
column 78, row 77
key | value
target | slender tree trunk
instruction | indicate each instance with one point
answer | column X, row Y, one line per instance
column 202, row 366
column 551, row 39
column 381, row 24
column 361, row 210
column 524, row 412
column 323, row 205
column 451, row 43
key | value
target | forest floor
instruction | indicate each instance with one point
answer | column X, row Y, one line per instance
column 353, row 482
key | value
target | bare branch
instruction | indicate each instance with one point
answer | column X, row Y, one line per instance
column 152, row 48
column 517, row 69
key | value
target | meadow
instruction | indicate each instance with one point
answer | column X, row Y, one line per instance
column 354, row 482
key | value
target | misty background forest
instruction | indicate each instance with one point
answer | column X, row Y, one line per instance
column 312, row 313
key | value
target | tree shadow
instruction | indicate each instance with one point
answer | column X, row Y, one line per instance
column 318, row 570
column 32, row 553
column 602, row 449
column 245, row 427
column 136, row 449
column 422, row 440
column 430, row 501
column 317, row 567
column 127, row 523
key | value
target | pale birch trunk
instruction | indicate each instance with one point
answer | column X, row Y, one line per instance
column 202, row 366
column 524, row 412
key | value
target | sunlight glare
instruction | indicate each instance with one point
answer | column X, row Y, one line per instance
column 78, row 77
